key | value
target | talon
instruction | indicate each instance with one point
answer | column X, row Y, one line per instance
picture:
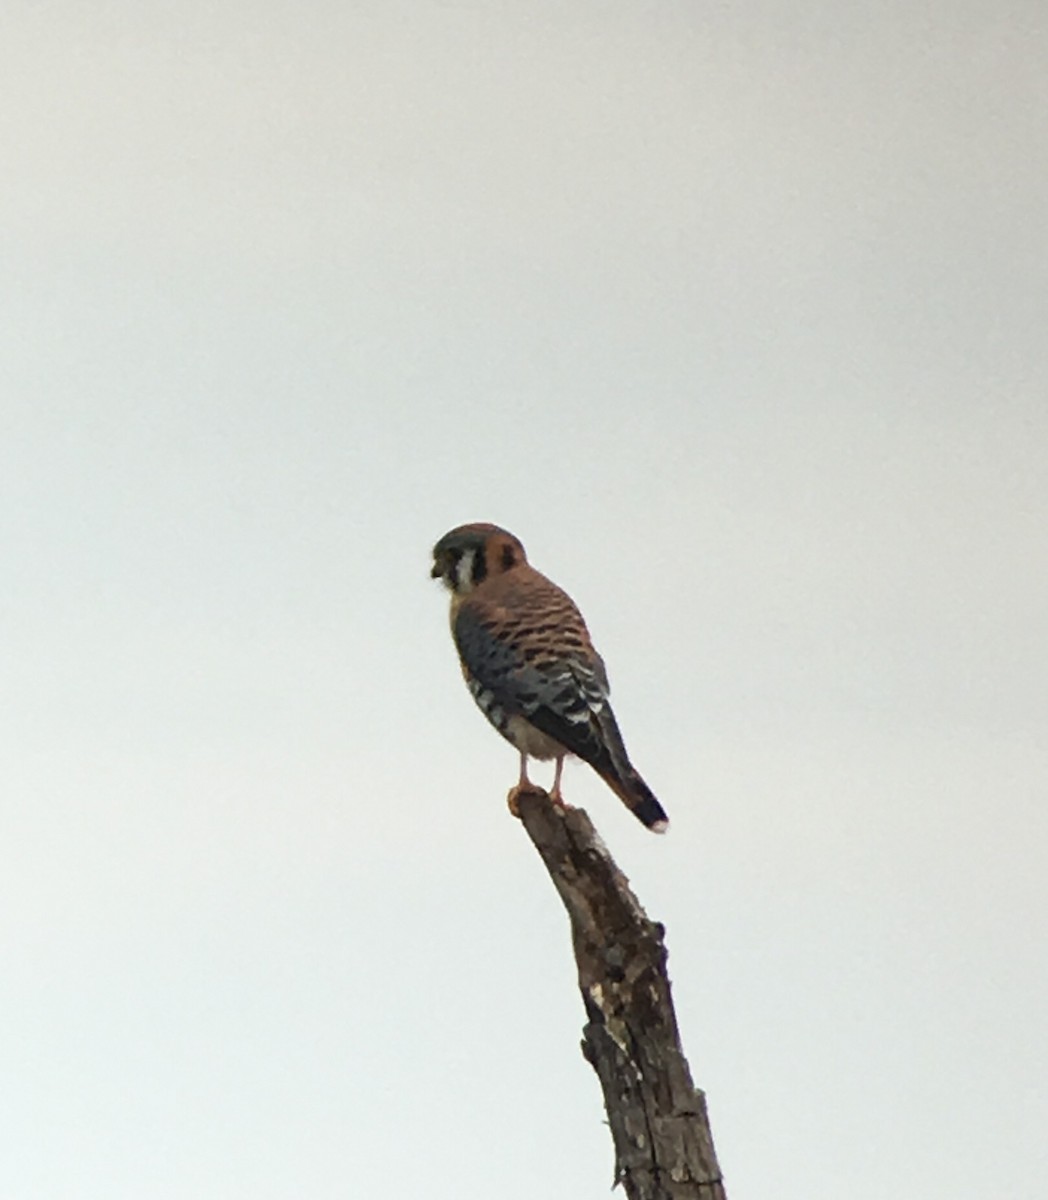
column 522, row 789
column 513, row 801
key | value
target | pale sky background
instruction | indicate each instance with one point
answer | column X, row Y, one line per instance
column 738, row 317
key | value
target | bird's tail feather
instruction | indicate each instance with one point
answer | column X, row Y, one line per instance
column 638, row 798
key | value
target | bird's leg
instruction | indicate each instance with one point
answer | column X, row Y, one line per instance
column 554, row 792
column 524, row 785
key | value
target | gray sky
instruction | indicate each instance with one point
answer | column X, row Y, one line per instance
column 737, row 319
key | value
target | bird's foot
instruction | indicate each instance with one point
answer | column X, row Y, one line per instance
column 533, row 789
column 558, row 800
column 522, row 789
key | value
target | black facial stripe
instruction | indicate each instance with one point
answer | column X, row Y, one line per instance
column 480, row 565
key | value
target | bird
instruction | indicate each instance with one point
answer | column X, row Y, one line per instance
column 528, row 660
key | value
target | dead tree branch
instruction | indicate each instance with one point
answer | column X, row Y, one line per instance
column 663, row 1145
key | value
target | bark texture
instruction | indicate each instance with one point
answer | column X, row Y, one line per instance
column 663, row 1145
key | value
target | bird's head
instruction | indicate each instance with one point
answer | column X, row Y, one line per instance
column 470, row 554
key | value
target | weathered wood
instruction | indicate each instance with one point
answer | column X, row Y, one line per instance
column 663, row 1145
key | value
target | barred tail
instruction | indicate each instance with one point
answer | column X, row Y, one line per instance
column 638, row 798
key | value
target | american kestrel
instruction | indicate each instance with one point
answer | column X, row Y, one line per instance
column 528, row 660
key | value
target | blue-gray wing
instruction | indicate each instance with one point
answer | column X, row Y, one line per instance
column 534, row 663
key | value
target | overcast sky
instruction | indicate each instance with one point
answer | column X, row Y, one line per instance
column 737, row 317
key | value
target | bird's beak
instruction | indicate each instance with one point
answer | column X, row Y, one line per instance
column 436, row 571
